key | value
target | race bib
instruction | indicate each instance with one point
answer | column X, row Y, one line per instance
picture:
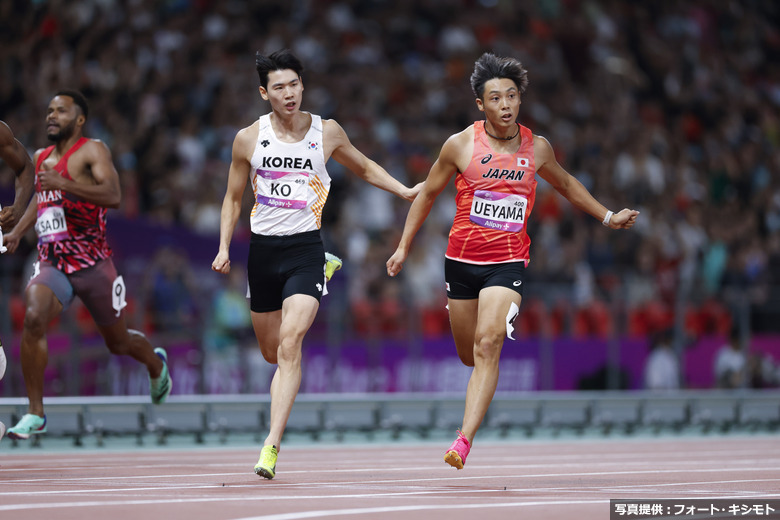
column 282, row 189
column 51, row 225
column 503, row 211
column 119, row 295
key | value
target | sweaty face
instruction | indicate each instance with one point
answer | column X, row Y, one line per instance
column 285, row 90
column 500, row 101
column 61, row 118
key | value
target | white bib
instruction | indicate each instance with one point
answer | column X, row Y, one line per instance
column 503, row 211
column 51, row 225
column 282, row 190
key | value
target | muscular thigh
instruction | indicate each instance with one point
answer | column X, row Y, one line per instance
column 267, row 326
column 288, row 325
column 498, row 307
column 298, row 314
column 102, row 291
column 56, row 281
column 463, row 322
column 480, row 299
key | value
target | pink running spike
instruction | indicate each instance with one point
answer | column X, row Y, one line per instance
column 456, row 455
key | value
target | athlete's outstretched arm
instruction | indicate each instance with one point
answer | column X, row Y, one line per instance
column 345, row 153
column 11, row 239
column 441, row 173
column 231, row 204
column 16, row 157
column 105, row 192
column 549, row 169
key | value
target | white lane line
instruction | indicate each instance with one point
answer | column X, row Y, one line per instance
column 750, row 465
column 374, row 510
column 670, row 484
column 338, row 513
column 122, row 503
column 327, row 485
column 758, row 452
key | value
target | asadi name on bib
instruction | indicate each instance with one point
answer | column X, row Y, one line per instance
column 51, row 225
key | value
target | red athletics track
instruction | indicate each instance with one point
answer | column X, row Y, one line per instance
column 554, row 479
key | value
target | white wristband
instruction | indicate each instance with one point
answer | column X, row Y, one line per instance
column 607, row 218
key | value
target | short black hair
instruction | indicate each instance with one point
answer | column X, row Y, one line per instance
column 489, row 66
column 78, row 98
column 280, row 60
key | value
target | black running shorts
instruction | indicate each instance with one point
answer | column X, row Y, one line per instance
column 280, row 266
column 464, row 281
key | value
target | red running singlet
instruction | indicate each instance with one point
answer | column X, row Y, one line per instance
column 71, row 231
column 495, row 196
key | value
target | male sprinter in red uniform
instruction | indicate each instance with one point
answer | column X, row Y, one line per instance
column 76, row 183
column 495, row 162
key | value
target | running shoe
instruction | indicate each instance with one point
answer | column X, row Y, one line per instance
column 3, row 361
column 332, row 264
column 456, row 455
column 266, row 466
column 160, row 387
column 27, row 426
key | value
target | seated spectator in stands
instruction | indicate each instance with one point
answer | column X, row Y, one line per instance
column 762, row 371
column 730, row 363
column 662, row 370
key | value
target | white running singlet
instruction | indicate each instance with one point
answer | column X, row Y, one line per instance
column 289, row 181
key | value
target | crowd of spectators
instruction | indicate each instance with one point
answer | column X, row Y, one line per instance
column 671, row 108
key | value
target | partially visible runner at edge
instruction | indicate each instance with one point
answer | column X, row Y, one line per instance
column 13, row 153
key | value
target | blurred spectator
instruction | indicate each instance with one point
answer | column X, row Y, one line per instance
column 170, row 292
column 229, row 323
column 730, row 362
column 662, row 369
column 229, row 342
column 762, row 371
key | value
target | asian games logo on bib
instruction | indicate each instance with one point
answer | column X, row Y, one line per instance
column 313, row 145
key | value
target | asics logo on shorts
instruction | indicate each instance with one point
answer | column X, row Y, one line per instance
column 517, row 283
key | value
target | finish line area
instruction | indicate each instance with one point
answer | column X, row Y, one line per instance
column 559, row 478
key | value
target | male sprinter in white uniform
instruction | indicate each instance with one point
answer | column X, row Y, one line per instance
column 283, row 155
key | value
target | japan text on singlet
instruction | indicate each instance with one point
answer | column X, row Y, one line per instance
column 495, row 196
column 71, row 232
column 289, row 181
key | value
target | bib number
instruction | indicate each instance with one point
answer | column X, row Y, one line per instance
column 502, row 211
column 286, row 190
column 119, row 295
column 51, row 225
